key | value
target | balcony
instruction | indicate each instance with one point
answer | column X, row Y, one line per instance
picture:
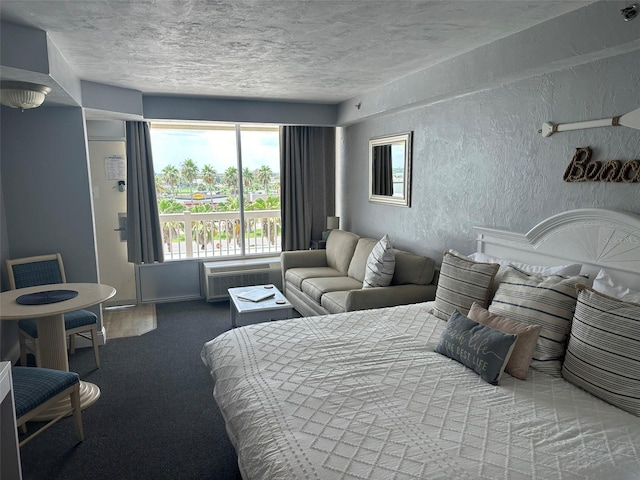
column 219, row 234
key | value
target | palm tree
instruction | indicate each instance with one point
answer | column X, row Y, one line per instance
column 171, row 177
column 247, row 178
column 231, row 179
column 263, row 176
column 209, row 177
column 189, row 171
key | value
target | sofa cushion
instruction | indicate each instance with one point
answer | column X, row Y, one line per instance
column 340, row 248
column 296, row 276
column 316, row 287
column 358, row 264
column 380, row 265
column 335, row 302
column 412, row 268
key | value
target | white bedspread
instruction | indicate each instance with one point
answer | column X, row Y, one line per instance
column 362, row 395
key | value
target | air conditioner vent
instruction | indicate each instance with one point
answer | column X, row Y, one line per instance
column 220, row 276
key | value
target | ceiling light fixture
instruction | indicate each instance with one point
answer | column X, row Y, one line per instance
column 22, row 95
column 630, row 12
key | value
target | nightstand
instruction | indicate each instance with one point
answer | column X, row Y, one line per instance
column 318, row 245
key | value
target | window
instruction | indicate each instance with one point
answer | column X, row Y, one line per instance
column 218, row 189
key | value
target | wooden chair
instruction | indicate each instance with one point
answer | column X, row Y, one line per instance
column 37, row 389
column 44, row 270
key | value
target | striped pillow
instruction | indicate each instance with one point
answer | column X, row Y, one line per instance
column 461, row 283
column 546, row 301
column 381, row 264
column 603, row 356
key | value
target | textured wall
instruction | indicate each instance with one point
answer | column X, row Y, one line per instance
column 478, row 159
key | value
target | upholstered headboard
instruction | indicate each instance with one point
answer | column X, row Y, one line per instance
column 597, row 238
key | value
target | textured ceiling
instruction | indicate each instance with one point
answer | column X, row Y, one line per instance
column 319, row 51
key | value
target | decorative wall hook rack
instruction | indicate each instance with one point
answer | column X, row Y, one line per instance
column 631, row 120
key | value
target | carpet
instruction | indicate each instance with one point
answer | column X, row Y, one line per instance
column 156, row 417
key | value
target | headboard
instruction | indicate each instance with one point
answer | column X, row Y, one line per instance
column 597, row 238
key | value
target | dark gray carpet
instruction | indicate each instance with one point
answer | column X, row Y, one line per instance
column 156, row 417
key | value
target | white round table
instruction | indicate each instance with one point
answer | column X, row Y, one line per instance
column 50, row 318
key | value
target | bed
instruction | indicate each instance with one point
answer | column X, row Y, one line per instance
column 364, row 395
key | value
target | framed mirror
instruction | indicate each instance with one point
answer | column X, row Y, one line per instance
column 390, row 169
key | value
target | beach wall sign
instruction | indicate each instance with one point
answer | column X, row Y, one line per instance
column 582, row 168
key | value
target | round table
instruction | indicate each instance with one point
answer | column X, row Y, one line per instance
column 50, row 318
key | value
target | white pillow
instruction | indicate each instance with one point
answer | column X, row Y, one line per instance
column 565, row 270
column 381, row 264
column 603, row 283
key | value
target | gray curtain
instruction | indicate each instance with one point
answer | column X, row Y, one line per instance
column 383, row 170
column 144, row 235
column 307, row 179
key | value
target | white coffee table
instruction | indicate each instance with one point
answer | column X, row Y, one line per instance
column 246, row 312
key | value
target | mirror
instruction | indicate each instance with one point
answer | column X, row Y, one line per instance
column 390, row 169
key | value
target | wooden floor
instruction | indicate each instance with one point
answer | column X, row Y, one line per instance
column 129, row 321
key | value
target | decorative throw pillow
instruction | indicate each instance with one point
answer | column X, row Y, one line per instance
column 546, row 301
column 483, row 349
column 603, row 283
column 603, row 356
column 380, row 265
column 461, row 283
column 525, row 344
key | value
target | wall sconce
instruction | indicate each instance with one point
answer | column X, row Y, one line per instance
column 22, row 95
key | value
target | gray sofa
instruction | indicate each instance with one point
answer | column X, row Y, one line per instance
column 318, row 282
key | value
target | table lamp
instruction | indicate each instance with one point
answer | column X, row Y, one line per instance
column 333, row 223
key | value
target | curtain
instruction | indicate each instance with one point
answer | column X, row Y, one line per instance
column 144, row 235
column 307, row 170
column 383, row 170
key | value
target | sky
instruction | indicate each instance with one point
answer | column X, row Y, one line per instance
column 214, row 147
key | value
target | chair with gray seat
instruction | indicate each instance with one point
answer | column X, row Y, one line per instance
column 45, row 270
column 37, row 389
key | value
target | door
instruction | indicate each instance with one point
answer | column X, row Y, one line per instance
column 108, row 171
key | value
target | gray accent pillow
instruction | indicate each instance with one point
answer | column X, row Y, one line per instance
column 380, row 265
column 603, row 356
column 461, row 283
column 483, row 349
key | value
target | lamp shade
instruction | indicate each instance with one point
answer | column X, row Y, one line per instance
column 22, row 95
column 333, row 223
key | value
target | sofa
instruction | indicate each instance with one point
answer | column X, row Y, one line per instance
column 320, row 282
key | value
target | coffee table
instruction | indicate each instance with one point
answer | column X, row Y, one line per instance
column 246, row 312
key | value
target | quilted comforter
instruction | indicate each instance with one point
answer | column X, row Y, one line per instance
column 362, row 395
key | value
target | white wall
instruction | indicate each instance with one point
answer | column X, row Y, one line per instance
column 478, row 159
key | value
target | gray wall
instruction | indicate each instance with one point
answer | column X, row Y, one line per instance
column 46, row 192
column 478, row 159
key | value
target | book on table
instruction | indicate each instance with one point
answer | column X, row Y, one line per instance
column 255, row 295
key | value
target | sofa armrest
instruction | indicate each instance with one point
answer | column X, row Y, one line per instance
column 303, row 259
column 380, row 297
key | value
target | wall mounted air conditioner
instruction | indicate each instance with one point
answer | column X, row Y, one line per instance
column 218, row 277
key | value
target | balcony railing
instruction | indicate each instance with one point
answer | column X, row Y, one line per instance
column 219, row 234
